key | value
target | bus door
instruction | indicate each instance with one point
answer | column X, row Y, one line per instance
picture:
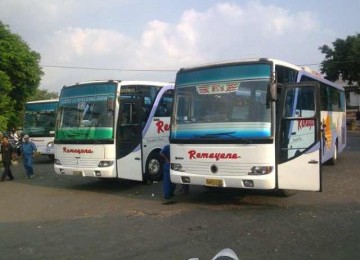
column 298, row 137
column 128, row 140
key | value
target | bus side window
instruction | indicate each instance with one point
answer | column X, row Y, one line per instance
column 146, row 109
column 165, row 104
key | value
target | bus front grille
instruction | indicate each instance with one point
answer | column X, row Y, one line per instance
column 79, row 163
column 214, row 168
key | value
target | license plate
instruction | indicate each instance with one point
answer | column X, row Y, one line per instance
column 77, row 173
column 214, row 182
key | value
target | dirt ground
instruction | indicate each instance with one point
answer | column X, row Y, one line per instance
column 66, row 217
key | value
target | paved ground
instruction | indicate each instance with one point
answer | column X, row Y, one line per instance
column 65, row 217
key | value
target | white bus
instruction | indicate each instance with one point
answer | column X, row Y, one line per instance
column 255, row 124
column 39, row 124
column 113, row 129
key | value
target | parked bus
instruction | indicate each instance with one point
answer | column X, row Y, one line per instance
column 255, row 124
column 113, row 129
column 39, row 124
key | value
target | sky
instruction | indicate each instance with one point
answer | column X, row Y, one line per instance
column 82, row 40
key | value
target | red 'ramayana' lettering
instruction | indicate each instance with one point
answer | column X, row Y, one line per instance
column 162, row 127
column 305, row 123
column 77, row 150
column 224, row 156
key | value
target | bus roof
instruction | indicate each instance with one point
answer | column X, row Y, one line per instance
column 321, row 79
column 250, row 60
column 43, row 101
column 302, row 70
column 123, row 82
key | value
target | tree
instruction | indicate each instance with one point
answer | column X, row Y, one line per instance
column 21, row 67
column 41, row 94
column 343, row 59
column 6, row 104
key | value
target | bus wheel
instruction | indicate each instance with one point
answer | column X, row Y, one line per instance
column 154, row 167
column 286, row 193
column 333, row 160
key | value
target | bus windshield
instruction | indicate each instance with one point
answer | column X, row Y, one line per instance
column 40, row 119
column 86, row 113
column 232, row 108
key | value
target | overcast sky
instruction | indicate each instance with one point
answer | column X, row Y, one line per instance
column 157, row 37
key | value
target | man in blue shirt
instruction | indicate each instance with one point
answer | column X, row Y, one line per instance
column 168, row 186
column 28, row 149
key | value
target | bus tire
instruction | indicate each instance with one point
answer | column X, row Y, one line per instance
column 154, row 167
column 286, row 193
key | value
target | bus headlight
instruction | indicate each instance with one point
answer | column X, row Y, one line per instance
column 105, row 163
column 57, row 162
column 50, row 144
column 260, row 170
column 177, row 167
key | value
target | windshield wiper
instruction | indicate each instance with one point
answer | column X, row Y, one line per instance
column 220, row 134
column 229, row 134
column 216, row 135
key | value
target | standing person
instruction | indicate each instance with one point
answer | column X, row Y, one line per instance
column 168, row 186
column 7, row 152
column 28, row 149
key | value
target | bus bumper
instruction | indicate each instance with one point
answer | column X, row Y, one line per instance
column 99, row 172
column 263, row 182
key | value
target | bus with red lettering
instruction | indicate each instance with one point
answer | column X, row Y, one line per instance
column 259, row 124
column 113, row 129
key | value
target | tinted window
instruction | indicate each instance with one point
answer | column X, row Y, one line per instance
column 165, row 105
column 285, row 75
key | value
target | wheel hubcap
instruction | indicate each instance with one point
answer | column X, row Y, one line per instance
column 154, row 167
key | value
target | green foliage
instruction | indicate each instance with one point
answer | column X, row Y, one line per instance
column 21, row 66
column 343, row 58
column 41, row 94
column 6, row 104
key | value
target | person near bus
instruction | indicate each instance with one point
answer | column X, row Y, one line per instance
column 7, row 152
column 168, row 186
column 28, row 150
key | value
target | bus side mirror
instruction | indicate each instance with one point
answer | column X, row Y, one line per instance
column 273, row 91
column 110, row 104
column 271, row 94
